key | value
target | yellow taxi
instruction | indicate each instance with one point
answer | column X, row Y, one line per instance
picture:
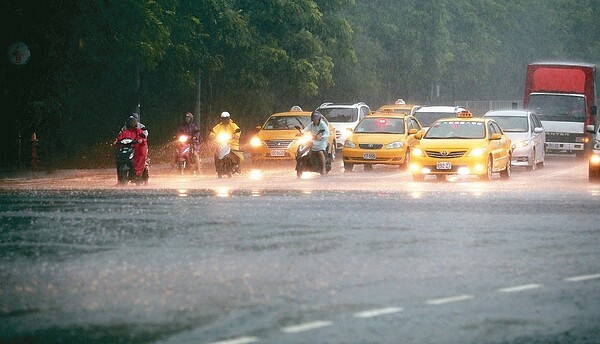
column 463, row 145
column 278, row 137
column 399, row 106
column 382, row 137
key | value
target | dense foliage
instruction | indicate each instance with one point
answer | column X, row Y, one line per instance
column 94, row 61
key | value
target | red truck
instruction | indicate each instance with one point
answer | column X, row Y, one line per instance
column 564, row 97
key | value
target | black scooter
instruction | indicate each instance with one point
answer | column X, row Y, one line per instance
column 306, row 159
column 124, row 161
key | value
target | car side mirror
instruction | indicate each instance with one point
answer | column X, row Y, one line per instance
column 590, row 128
column 496, row 136
column 538, row 130
column 419, row 135
column 350, row 129
column 412, row 131
column 258, row 127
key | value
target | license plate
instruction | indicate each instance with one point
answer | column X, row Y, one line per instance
column 277, row 152
column 369, row 156
column 443, row 165
column 555, row 145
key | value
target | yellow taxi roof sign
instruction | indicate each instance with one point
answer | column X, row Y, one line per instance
column 465, row 114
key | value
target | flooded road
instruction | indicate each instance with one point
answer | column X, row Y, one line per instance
column 264, row 257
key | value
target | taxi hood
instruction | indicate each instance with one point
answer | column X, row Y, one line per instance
column 451, row 144
column 376, row 138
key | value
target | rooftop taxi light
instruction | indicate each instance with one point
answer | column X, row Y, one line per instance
column 465, row 114
column 400, row 101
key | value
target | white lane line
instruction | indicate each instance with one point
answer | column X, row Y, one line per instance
column 519, row 288
column 240, row 340
column 444, row 300
column 582, row 278
column 306, row 326
column 377, row 312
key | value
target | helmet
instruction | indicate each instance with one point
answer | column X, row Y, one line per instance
column 136, row 115
column 315, row 115
column 188, row 117
column 225, row 114
column 131, row 122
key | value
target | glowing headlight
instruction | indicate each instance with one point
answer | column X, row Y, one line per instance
column 595, row 159
column 596, row 144
column 521, row 144
column 417, row 152
column 349, row 144
column 183, row 138
column 304, row 139
column 477, row 152
column 255, row 142
column 223, row 137
column 394, row 145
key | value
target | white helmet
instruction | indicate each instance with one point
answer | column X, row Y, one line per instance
column 225, row 114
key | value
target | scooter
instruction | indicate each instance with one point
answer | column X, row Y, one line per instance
column 124, row 162
column 227, row 160
column 306, row 159
column 185, row 150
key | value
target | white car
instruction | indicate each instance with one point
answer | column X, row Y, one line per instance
column 526, row 133
column 344, row 118
column 426, row 115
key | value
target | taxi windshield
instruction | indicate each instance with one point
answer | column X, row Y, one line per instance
column 381, row 125
column 456, row 130
column 340, row 115
column 286, row 122
column 512, row 124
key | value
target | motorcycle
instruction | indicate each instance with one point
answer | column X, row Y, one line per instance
column 185, row 151
column 227, row 160
column 124, row 161
column 306, row 159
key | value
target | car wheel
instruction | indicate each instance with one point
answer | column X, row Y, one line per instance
column 594, row 173
column 533, row 161
column 348, row 166
column 418, row 177
column 488, row 174
column 505, row 174
column 332, row 154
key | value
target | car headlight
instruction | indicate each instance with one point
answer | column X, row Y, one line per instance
column 255, row 142
column 395, row 145
column 349, row 144
column 417, row 152
column 596, row 144
column 477, row 152
column 521, row 144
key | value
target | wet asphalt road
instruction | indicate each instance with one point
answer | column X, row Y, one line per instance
column 266, row 258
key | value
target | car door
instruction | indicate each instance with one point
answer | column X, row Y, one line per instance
column 412, row 123
column 539, row 139
column 500, row 148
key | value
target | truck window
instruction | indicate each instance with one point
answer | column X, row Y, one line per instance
column 554, row 107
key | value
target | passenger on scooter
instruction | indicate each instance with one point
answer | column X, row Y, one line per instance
column 189, row 128
column 319, row 139
column 132, row 131
column 227, row 126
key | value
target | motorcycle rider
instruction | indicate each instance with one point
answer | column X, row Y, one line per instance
column 227, row 126
column 134, row 132
column 319, row 139
column 189, row 128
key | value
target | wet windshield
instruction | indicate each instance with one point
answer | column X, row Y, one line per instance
column 381, row 125
column 286, row 122
column 456, row 130
column 427, row 118
column 340, row 115
column 512, row 124
column 552, row 107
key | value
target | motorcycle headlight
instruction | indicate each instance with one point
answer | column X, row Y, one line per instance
column 521, row 144
column 304, row 139
column 417, row 152
column 596, row 144
column 349, row 144
column 223, row 137
column 395, row 145
column 477, row 152
column 183, row 138
column 255, row 142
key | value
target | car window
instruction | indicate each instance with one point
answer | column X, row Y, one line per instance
column 427, row 118
column 286, row 122
column 381, row 125
column 456, row 130
column 497, row 128
column 340, row 115
column 415, row 124
column 364, row 111
column 512, row 124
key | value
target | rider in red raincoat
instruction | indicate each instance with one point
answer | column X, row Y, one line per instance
column 132, row 131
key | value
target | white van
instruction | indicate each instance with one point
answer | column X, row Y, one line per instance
column 344, row 118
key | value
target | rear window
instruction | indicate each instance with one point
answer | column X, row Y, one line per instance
column 427, row 118
column 512, row 124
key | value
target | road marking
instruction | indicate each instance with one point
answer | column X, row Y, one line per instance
column 582, row 278
column 240, row 340
column 306, row 326
column 377, row 312
column 444, row 300
column 519, row 288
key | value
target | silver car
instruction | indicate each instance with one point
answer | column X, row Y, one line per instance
column 527, row 135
